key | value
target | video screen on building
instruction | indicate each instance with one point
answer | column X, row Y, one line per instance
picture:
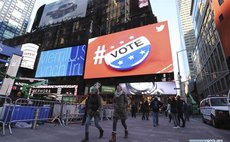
column 139, row 51
column 63, row 10
column 149, row 88
column 138, row 7
column 62, row 62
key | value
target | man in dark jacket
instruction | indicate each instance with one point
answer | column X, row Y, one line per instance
column 180, row 110
column 155, row 105
column 93, row 110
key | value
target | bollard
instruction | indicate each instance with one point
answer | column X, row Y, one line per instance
column 35, row 118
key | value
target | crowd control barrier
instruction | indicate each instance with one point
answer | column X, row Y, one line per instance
column 33, row 111
column 5, row 102
column 67, row 112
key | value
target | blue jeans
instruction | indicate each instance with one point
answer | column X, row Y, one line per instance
column 155, row 118
column 88, row 122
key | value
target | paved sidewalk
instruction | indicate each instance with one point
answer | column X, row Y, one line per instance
column 139, row 131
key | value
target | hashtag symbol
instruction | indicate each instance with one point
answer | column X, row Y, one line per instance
column 99, row 54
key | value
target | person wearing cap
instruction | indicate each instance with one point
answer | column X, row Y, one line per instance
column 120, row 102
column 93, row 111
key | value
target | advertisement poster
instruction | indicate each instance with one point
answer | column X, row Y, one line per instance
column 29, row 55
column 62, row 62
column 63, row 10
column 139, row 51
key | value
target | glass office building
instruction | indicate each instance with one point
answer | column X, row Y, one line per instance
column 14, row 17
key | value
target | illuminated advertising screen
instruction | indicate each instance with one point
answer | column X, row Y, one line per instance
column 107, row 89
column 9, row 51
column 63, row 10
column 138, row 7
column 139, row 51
column 62, row 62
column 150, row 88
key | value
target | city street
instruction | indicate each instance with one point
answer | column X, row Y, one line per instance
column 139, row 131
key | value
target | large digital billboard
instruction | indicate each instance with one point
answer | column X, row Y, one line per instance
column 150, row 88
column 138, row 7
column 139, row 51
column 62, row 62
column 63, row 10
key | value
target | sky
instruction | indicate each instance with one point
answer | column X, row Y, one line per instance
column 165, row 10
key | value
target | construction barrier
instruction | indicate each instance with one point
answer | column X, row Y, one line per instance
column 5, row 102
column 32, row 111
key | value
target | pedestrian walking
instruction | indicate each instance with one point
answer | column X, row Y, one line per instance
column 120, row 102
column 155, row 105
column 93, row 111
column 168, row 110
column 142, row 109
column 187, row 111
column 180, row 110
column 173, row 109
column 133, row 109
column 85, row 111
column 145, row 110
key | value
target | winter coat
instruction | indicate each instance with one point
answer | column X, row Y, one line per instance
column 94, row 104
column 173, row 106
column 155, row 105
column 120, row 106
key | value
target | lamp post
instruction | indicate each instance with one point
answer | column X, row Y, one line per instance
column 178, row 74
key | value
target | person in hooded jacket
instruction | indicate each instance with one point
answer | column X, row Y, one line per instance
column 93, row 111
column 120, row 102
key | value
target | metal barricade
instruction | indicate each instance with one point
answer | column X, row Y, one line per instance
column 69, row 112
column 5, row 102
column 30, row 111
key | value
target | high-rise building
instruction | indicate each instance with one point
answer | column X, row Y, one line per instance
column 188, row 30
column 210, row 55
column 222, row 18
column 14, row 17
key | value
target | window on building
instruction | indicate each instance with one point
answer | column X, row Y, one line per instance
column 220, row 2
column 221, row 17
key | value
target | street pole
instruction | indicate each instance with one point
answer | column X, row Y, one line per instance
column 178, row 74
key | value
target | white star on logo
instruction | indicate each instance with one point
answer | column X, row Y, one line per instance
column 120, row 62
column 142, row 52
column 131, row 37
column 131, row 57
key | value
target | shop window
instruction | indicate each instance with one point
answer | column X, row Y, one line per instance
column 221, row 17
column 220, row 2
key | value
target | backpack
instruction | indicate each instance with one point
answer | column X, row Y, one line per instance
column 155, row 105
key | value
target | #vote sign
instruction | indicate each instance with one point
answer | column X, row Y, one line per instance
column 138, row 51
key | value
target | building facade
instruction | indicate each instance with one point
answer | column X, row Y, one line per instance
column 188, row 30
column 210, row 62
column 102, row 17
column 14, row 17
column 221, row 10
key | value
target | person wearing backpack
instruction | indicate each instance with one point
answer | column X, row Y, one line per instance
column 155, row 105
column 93, row 111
